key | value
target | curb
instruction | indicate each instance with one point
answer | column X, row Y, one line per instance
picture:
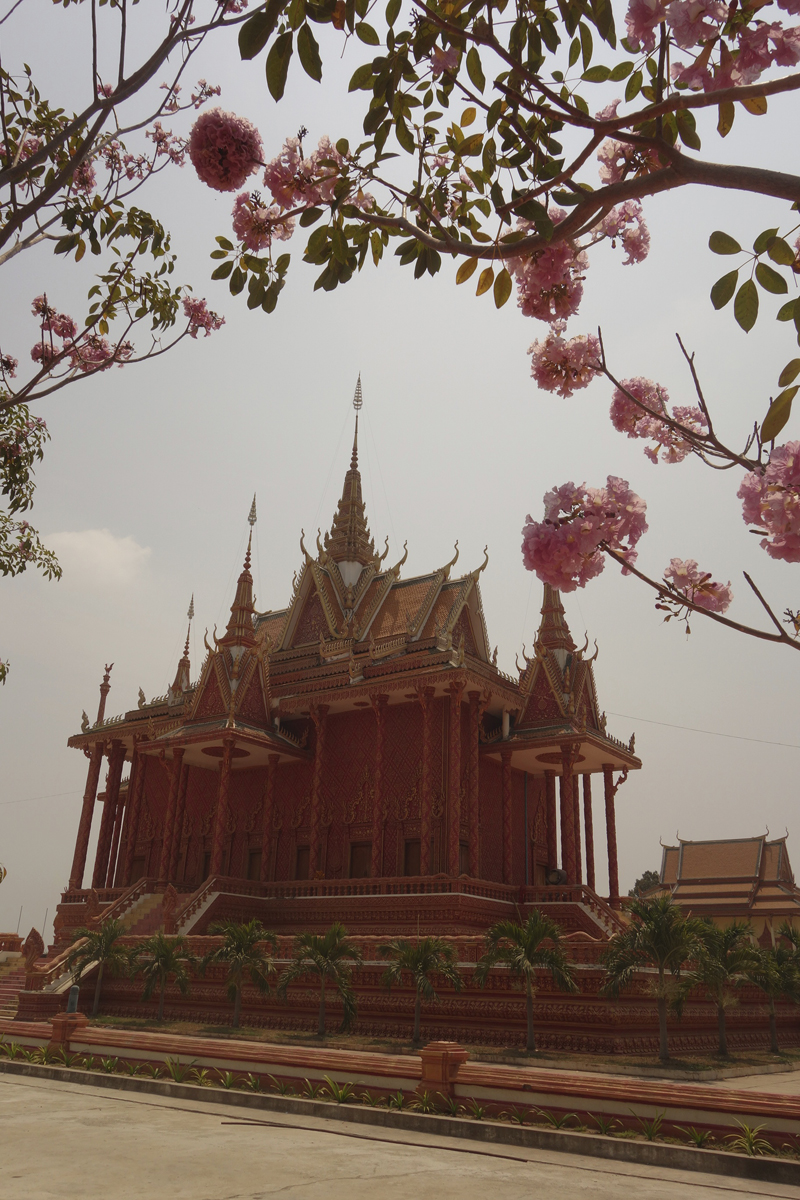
column 679, row 1158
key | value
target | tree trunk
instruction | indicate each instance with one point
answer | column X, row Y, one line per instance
column 529, row 1013
column 321, row 1027
column 97, row 987
column 237, row 1006
column 773, row 1028
column 723, row 1033
column 161, row 999
column 417, row 1011
column 663, row 1043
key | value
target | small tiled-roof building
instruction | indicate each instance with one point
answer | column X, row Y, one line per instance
column 734, row 879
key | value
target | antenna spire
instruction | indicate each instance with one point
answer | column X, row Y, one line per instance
column 358, row 401
column 252, row 516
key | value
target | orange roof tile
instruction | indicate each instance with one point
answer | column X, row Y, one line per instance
column 399, row 607
column 714, row 860
column 442, row 608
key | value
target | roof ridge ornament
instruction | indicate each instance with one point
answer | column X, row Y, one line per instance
column 484, row 564
column 449, row 566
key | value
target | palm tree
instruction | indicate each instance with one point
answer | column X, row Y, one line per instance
column 725, row 957
column 659, row 936
column 157, row 959
column 420, row 959
column 101, row 947
column 332, row 957
column 240, row 950
column 526, row 949
column 776, row 970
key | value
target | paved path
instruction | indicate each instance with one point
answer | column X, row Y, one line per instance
column 74, row 1142
column 781, row 1083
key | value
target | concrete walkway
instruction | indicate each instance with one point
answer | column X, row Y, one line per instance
column 61, row 1142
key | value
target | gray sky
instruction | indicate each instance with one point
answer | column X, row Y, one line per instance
column 146, row 486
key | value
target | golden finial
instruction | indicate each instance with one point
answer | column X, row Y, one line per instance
column 358, row 399
column 190, row 613
column 252, row 518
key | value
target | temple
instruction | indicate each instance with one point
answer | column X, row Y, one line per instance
column 356, row 746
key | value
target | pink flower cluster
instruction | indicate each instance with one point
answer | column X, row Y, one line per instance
column 120, row 163
column 627, row 223
column 168, row 144
column 647, row 422
column 771, row 501
column 298, row 182
column 8, row 366
column 205, row 91
column 444, row 60
column 550, row 280
column 224, row 149
column 30, row 146
column 53, row 322
column 201, row 317
column 697, row 586
column 565, row 366
column 618, row 160
column 95, row 353
column 566, row 548
column 84, row 179
column 257, row 226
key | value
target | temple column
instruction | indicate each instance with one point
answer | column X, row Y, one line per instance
column 116, row 761
column 611, row 835
column 221, row 818
column 576, row 826
column 138, row 768
column 425, row 695
column 505, row 757
column 550, row 810
column 319, row 713
column 269, row 805
column 112, row 858
column 379, row 704
column 87, row 811
column 474, row 783
column 454, row 783
column 589, row 829
column 567, row 815
column 169, row 820
column 177, row 831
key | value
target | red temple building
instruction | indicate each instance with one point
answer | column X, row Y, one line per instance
column 357, row 754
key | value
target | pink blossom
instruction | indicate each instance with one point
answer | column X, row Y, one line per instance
column 8, row 365
column 627, row 223
column 30, row 146
column 257, row 226
column 297, row 182
column 695, row 21
column 224, row 149
column 565, row 367
column 204, row 92
column 44, row 352
column 786, row 46
column 695, row 76
column 444, row 60
column 647, row 422
column 771, row 501
column 697, row 586
column 641, row 20
column 620, row 159
column 168, row 144
column 171, row 104
column 95, row 353
column 609, row 112
column 200, row 316
column 550, row 279
column 755, row 53
column 566, row 548
column 790, row 6
column 84, row 179
column 106, row 89
column 231, row 7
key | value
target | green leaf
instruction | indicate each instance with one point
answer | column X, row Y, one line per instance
column 723, row 289
column 789, row 372
column 256, row 32
column 586, row 44
column 404, row 136
column 223, row 241
column 502, row 288
column 471, row 145
column 745, row 306
column 361, row 80
column 770, row 280
column 393, row 11
column 596, row 74
column 781, row 252
column 485, row 282
column 723, row 243
column 727, row 111
column 779, row 412
column 237, row 281
column 466, row 269
column 763, row 240
column 574, row 51
column 474, row 69
column 222, row 271
column 633, row 86
column 367, row 34
column 278, row 64
column 310, row 216
column 687, row 128
column 621, row 71
column 757, row 105
column 787, row 311
column 308, row 52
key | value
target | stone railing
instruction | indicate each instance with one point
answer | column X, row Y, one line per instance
column 11, row 943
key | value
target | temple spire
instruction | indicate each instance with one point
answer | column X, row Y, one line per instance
column 182, row 681
column 349, row 540
column 553, row 632
column 240, row 630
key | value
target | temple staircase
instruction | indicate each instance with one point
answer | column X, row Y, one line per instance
column 145, row 916
column 12, row 981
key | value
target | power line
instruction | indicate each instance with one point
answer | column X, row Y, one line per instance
column 30, row 799
column 711, row 732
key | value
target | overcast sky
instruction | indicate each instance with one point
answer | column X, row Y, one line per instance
column 146, row 486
